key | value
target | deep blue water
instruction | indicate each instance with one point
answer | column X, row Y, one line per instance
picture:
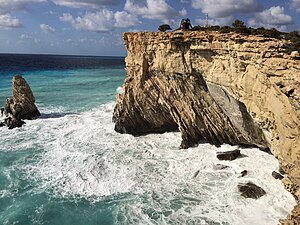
column 73, row 82
column 70, row 167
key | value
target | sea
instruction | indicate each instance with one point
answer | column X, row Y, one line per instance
column 69, row 167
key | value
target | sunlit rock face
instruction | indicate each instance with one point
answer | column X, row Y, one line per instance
column 223, row 88
column 22, row 104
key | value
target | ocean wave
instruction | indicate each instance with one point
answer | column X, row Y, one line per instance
column 80, row 156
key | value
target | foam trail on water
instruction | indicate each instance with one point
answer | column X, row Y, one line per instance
column 82, row 156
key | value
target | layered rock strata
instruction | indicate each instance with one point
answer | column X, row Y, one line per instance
column 224, row 88
column 21, row 105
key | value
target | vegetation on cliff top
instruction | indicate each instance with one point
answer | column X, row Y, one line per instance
column 239, row 26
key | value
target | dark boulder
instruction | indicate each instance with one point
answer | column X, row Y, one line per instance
column 7, row 107
column 196, row 173
column 244, row 173
column 12, row 122
column 251, row 190
column 277, row 175
column 230, row 155
column 220, row 167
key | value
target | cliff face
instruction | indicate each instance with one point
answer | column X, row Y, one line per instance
column 224, row 88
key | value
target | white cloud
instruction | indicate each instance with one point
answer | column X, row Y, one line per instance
column 25, row 36
column 85, row 3
column 67, row 17
column 273, row 17
column 226, row 21
column 46, row 28
column 296, row 5
column 7, row 6
column 125, row 20
column 183, row 12
column 36, row 40
column 51, row 12
column 101, row 21
column 152, row 9
column 7, row 20
column 28, row 37
column 226, row 8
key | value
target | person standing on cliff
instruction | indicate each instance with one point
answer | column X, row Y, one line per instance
column 185, row 24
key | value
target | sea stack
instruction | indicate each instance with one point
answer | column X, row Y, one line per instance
column 21, row 105
column 220, row 87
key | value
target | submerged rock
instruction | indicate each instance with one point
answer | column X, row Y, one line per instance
column 277, row 175
column 196, row 173
column 12, row 122
column 229, row 155
column 251, row 190
column 244, row 173
column 221, row 167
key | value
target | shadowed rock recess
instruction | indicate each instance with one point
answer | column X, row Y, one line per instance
column 223, row 88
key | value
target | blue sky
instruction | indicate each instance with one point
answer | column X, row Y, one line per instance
column 94, row 27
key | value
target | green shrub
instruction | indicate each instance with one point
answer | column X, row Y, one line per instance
column 164, row 27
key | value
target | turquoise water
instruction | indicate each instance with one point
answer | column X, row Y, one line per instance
column 69, row 167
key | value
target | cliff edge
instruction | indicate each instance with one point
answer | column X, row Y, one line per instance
column 223, row 88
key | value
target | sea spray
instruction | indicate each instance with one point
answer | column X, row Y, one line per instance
column 86, row 159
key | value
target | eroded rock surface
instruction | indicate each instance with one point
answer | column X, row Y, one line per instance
column 165, row 102
column 183, row 80
column 21, row 105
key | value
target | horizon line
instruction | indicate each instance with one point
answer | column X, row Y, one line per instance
column 57, row 54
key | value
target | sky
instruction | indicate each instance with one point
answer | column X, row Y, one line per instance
column 95, row 27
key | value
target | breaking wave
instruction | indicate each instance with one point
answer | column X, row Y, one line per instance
column 147, row 179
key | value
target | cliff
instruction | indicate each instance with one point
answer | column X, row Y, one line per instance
column 224, row 88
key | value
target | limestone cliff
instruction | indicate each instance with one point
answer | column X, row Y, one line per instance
column 224, row 88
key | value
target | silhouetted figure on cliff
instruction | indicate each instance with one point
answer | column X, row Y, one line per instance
column 185, row 24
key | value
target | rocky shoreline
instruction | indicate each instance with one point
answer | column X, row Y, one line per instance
column 221, row 88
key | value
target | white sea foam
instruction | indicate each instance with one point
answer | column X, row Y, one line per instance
column 81, row 155
column 120, row 90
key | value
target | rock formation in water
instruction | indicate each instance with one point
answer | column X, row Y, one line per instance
column 223, row 88
column 21, row 105
column 250, row 190
column 229, row 155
